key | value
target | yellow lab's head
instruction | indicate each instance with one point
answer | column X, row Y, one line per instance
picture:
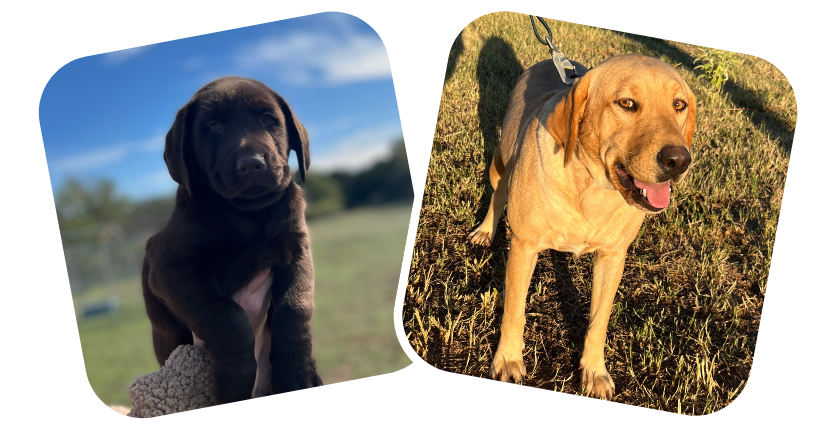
column 630, row 122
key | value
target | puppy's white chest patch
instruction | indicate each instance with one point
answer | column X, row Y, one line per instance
column 255, row 297
column 255, row 300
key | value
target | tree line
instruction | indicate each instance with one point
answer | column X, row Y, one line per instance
column 84, row 206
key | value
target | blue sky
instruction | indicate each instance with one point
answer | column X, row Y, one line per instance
column 106, row 116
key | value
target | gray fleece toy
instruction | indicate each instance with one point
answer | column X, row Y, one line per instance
column 182, row 384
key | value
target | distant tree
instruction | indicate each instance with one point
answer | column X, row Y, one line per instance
column 323, row 195
column 388, row 181
column 78, row 205
column 149, row 216
column 98, row 203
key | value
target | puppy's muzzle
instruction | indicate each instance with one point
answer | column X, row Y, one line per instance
column 251, row 174
column 249, row 164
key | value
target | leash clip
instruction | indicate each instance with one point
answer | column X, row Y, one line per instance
column 561, row 62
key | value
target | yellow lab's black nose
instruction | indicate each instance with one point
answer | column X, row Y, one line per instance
column 674, row 160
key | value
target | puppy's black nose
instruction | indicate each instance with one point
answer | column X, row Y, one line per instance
column 250, row 163
column 674, row 160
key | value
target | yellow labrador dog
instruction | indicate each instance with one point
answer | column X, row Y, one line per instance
column 579, row 167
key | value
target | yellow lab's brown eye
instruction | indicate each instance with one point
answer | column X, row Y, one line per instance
column 626, row 103
column 679, row 105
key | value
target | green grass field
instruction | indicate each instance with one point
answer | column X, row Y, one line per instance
column 683, row 330
column 357, row 260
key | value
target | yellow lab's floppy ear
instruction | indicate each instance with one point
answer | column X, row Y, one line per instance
column 563, row 122
column 176, row 142
column 691, row 121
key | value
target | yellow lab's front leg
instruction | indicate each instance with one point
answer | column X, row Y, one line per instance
column 484, row 233
column 508, row 363
column 606, row 275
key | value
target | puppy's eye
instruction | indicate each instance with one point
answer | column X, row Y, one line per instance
column 269, row 120
column 215, row 127
column 679, row 105
column 627, row 103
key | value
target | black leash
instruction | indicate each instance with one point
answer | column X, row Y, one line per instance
column 560, row 61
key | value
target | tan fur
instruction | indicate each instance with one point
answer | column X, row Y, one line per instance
column 555, row 170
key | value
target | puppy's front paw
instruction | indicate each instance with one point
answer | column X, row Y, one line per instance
column 508, row 367
column 596, row 381
column 234, row 379
column 286, row 381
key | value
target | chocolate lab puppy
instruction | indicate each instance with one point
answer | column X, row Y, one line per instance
column 232, row 267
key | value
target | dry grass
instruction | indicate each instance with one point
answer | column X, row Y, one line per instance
column 683, row 330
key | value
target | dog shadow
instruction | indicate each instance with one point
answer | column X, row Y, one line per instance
column 497, row 71
column 560, row 312
column 453, row 58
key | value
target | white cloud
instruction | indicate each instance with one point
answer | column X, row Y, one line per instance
column 320, row 131
column 116, row 58
column 311, row 57
column 106, row 155
column 157, row 179
column 157, row 183
column 96, row 158
column 357, row 151
column 156, row 143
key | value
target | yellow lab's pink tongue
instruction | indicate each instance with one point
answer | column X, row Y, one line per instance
column 659, row 195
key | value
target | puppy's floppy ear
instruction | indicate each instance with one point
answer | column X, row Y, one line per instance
column 297, row 137
column 176, row 142
column 691, row 121
column 564, row 120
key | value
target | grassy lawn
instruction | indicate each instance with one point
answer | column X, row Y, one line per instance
column 117, row 347
column 357, row 263
column 357, row 259
column 683, row 330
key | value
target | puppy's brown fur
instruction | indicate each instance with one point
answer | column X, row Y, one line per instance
column 571, row 165
column 238, row 216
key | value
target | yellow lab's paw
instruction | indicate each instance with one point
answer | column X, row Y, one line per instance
column 481, row 236
column 507, row 369
column 596, row 382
